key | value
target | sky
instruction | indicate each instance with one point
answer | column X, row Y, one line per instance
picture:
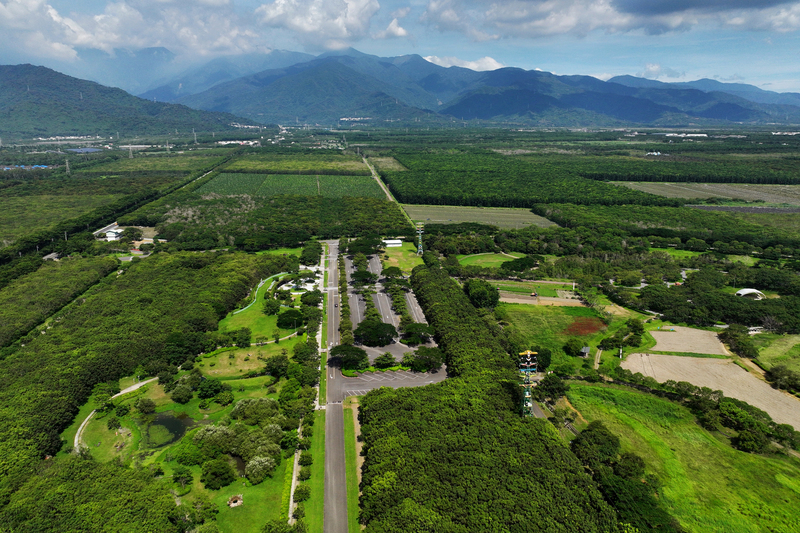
column 746, row 41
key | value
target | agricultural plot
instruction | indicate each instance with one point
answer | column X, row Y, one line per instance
column 503, row 217
column 231, row 184
column 23, row 215
column 386, row 163
column 774, row 350
column 185, row 163
column 718, row 374
column 707, row 485
column 771, row 194
column 328, row 163
column 687, row 340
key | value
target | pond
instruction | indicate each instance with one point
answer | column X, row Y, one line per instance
column 165, row 428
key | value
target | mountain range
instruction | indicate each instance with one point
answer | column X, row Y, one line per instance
column 348, row 86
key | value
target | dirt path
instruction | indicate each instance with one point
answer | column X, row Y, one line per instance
column 597, row 359
column 379, row 180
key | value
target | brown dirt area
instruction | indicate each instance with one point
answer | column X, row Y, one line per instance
column 719, row 374
column 584, row 325
column 687, row 340
column 516, row 298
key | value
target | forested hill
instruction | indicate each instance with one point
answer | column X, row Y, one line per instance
column 37, row 101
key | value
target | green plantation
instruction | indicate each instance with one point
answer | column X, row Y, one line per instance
column 281, row 184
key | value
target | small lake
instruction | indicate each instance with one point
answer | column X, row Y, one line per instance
column 166, row 428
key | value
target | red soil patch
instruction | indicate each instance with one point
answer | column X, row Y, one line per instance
column 584, row 326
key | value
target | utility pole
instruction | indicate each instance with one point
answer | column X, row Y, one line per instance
column 67, row 166
column 420, row 231
column 195, row 136
column 130, row 151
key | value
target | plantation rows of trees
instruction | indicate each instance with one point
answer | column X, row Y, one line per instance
column 465, row 449
column 484, row 178
column 156, row 313
column 191, row 222
column 660, row 169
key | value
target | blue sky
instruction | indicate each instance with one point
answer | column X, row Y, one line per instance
column 748, row 41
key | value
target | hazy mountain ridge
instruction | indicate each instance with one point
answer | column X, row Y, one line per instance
column 37, row 101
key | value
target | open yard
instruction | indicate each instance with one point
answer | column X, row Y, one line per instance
column 503, row 217
column 706, row 484
column 687, row 340
column 718, row 374
column 773, row 194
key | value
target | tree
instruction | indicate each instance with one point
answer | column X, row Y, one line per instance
column 543, row 358
column 424, row 359
column 280, row 526
column 259, row 468
column 392, row 272
column 312, row 298
column 385, row 361
column 350, row 357
column 271, row 307
column 217, row 473
column 550, row 387
column 209, row 388
column 417, row 333
column 182, row 394
column 573, row 347
column 374, row 332
column 302, row 492
column 277, row 365
column 146, row 406
column 481, row 293
column 596, row 446
column 113, row 422
column 182, row 475
column 290, row 319
column 243, row 338
column 224, row 398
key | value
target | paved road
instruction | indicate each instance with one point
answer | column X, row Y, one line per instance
column 366, row 382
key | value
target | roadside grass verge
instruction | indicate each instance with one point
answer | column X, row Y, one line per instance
column 774, row 350
column 707, row 484
column 351, row 472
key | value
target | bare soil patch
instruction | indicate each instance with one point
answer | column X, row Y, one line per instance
column 719, row 374
column 687, row 340
column 516, row 298
column 583, row 326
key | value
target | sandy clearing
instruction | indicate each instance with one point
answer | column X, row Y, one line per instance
column 718, row 374
column 687, row 340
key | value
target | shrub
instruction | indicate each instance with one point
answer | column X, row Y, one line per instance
column 259, row 468
column 182, row 394
column 302, row 492
column 306, row 459
column 217, row 473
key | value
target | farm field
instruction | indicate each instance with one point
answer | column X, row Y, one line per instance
column 386, row 163
column 718, row 374
column 774, row 350
column 404, row 257
column 687, row 340
column 785, row 221
column 488, row 260
column 706, row 484
column 503, row 217
column 23, row 215
column 550, row 327
column 300, row 164
column 165, row 163
column 771, row 194
column 278, row 184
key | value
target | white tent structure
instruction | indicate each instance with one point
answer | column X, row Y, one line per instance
column 751, row 293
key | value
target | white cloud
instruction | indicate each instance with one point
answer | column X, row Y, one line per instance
column 330, row 23
column 401, row 13
column 484, row 63
column 393, row 30
column 653, row 71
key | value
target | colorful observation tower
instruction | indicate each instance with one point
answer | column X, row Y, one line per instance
column 527, row 366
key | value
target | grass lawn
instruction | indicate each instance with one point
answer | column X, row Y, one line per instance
column 405, row 257
column 746, row 260
column 487, row 260
column 678, row 254
column 262, row 502
column 282, row 251
column 707, row 485
column 351, row 472
column 528, row 287
column 774, row 350
column 314, row 505
column 237, row 362
column 260, row 325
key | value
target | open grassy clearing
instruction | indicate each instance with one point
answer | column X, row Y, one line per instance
column 784, row 221
column 386, row 163
column 302, row 163
column 707, row 484
column 678, row 254
column 23, row 215
column 551, row 327
column 718, row 374
column 548, row 290
column 235, row 363
column 771, row 194
column 774, row 350
column 503, row 217
column 488, row 260
column 404, row 257
column 262, row 327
